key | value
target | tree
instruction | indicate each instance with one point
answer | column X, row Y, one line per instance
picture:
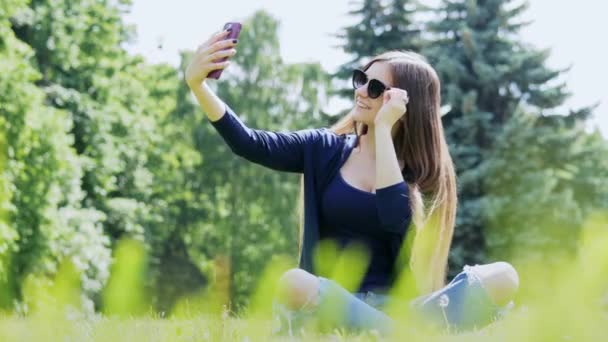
column 113, row 105
column 250, row 214
column 131, row 156
column 382, row 26
column 488, row 75
column 544, row 179
column 42, row 221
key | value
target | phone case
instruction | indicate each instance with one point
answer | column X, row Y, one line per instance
column 234, row 34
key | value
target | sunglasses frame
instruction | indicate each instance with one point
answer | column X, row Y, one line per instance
column 373, row 85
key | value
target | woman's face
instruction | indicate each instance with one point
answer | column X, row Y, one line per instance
column 366, row 108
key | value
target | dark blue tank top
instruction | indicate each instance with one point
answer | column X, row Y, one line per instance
column 349, row 214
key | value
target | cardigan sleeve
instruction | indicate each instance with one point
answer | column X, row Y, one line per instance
column 282, row 151
column 393, row 205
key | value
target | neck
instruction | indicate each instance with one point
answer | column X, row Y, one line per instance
column 367, row 142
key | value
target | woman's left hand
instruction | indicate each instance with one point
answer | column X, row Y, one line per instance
column 393, row 107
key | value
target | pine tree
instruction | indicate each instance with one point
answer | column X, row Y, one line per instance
column 383, row 26
column 487, row 74
column 542, row 182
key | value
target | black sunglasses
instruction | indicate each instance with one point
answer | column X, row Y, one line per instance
column 375, row 88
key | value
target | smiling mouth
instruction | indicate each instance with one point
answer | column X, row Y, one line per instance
column 361, row 105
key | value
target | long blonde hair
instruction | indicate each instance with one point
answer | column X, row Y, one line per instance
column 419, row 141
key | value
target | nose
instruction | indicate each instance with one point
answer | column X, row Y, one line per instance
column 362, row 90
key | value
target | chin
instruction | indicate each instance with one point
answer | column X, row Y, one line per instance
column 363, row 116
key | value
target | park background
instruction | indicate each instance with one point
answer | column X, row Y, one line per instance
column 102, row 145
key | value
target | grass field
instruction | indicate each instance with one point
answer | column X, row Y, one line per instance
column 561, row 299
column 522, row 325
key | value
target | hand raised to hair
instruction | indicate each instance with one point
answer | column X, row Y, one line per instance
column 393, row 107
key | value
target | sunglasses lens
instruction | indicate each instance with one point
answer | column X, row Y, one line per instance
column 375, row 89
column 359, row 78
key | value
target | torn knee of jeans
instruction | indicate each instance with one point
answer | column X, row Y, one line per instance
column 444, row 301
column 472, row 275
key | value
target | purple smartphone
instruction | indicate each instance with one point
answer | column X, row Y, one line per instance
column 234, row 34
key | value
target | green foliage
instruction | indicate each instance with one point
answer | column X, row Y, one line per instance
column 43, row 221
column 518, row 176
column 543, row 181
column 128, row 272
column 382, row 26
column 132, row 156
column 96, row 145
column 251, row 210
column 549, row 312
column 488, row 75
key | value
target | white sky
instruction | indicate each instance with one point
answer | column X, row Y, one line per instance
column 573, row 30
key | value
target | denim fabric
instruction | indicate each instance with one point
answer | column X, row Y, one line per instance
column 461, row 305
column 336, row 308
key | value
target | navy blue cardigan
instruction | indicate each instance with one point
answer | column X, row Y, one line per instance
column 318, row 154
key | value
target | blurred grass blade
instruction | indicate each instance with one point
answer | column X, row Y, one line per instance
column 125, row 294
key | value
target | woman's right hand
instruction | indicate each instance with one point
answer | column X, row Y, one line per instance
column 202, row 62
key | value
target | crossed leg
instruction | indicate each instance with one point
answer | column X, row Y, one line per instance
column 299, row 288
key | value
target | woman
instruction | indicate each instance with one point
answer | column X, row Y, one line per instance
column 381, row 171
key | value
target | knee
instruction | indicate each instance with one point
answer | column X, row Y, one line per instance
column 501, row 281
column 298, row 287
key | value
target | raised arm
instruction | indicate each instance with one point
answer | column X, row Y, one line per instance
column 201, row 65
column 283, row 151
column 392, row 193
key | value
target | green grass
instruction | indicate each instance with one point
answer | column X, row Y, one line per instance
column 521, row 325
column 563, row 299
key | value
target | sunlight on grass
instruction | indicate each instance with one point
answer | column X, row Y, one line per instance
column 212, row 302
column 569, row 302
column 125, row 294
column 260, row 306
column 7, row 234
column 347, row 266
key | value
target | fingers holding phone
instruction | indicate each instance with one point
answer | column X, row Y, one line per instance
column 234, row 30
column 211, row 57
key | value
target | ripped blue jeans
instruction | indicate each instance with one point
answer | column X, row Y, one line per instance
column 461, row 305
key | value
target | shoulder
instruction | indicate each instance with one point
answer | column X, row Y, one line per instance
column 328, row 140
